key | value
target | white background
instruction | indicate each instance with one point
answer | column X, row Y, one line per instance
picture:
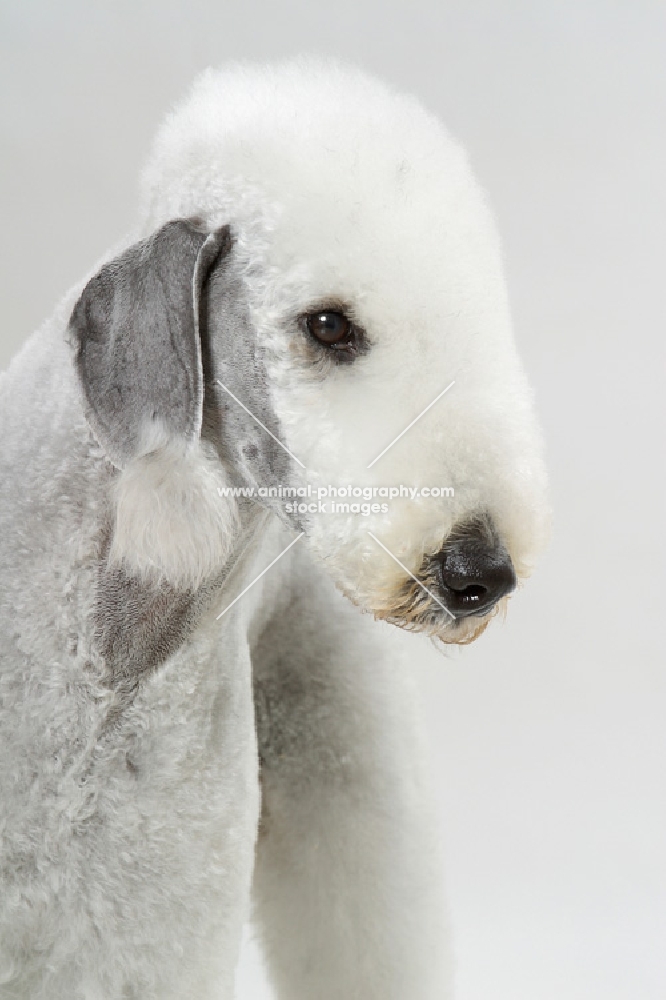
column 549, row 733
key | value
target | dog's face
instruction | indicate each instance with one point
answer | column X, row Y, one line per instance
column 340, row 328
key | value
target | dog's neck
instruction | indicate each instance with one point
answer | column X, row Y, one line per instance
column 141, row 622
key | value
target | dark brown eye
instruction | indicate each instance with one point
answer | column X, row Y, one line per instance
column 330, row 328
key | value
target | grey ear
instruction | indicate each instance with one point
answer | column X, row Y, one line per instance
column 135, row 329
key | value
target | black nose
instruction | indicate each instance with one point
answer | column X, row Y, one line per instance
column 475, row 569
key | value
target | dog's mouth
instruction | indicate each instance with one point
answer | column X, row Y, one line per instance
column 455, row 592
column 417, row 607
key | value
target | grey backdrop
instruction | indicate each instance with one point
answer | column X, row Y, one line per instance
column 548, row 734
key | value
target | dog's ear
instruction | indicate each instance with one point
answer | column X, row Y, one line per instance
column 135, row 330
column 135, row 333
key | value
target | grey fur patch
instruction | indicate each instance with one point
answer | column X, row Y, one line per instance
column 139, row 626
column 134, row 328
column 232, row 356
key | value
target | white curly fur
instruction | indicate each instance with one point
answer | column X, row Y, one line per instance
column 129, row 760
column 169, row 521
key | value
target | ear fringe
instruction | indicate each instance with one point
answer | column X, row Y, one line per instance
column 171, row 523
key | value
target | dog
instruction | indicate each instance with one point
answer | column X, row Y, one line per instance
column 285, row 416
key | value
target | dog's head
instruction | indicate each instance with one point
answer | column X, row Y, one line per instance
column 319, row 267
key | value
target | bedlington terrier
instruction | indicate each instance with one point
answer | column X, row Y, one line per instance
column 290, row 397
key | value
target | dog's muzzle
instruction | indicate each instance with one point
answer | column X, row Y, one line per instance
column 475, row 570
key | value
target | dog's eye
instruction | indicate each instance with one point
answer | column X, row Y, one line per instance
column 330, row 328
